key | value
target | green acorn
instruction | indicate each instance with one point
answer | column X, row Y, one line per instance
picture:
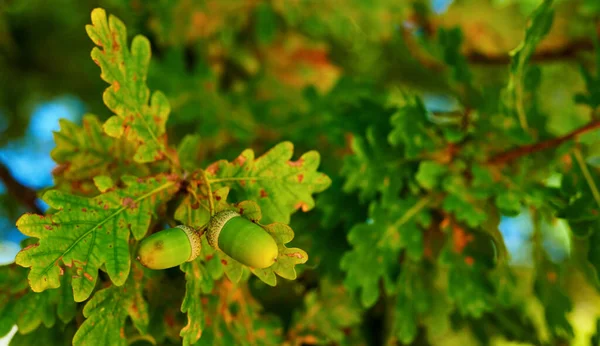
column 242, row 240
column 170, row 247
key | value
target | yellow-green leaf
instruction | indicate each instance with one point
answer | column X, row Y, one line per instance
column 125, row 70
column 86, row 233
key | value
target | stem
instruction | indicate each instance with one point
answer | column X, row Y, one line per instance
column 211, row 202
column 520, row 106
column 514, row 154
column 220, row 180
column 587, row 175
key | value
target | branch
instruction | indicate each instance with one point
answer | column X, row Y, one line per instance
column 20, row 192
column 514, row 154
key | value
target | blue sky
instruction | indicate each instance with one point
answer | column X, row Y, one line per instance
column 29, row 160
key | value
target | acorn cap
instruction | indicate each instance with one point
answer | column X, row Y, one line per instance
column 242, row 239
column 170, row 247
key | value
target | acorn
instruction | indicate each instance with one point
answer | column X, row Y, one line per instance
column 170, row 247
column 242, row 240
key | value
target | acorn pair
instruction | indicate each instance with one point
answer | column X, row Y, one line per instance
column 238, row 237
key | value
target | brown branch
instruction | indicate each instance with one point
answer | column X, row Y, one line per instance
column 20, row 192
column 514, row 154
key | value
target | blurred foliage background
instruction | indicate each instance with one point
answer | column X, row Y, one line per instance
column 248, row 74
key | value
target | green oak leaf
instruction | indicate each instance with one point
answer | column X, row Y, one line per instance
column 412, row 300
column 188, row 152
column 378, row 242
column 233, row 317
column 107, row 311
column 451, row 42
column 468, row 287
column 412, row 131
column 85, row 152
column 198, row 282
column 374, row 167
column 125, row 70
column 86, row 233
column 430, row 174
column 279, row 186
column 557, row 304
column 328, row 311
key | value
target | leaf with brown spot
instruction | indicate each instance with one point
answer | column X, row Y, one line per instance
column 126, row 69
column 106, row 314
column 97, row 237
column 86, row 152
column 282, row 184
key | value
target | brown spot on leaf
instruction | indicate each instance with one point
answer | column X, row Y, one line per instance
column 116, row 86
column 213, row 168
column 469, row 261
column 48, row 227
column 30, row 246
column 302, row 205
column 298, row 163
column 295, row 255
column 115, row 44
column 300, row 177
column 224, row 262
column 84, row 210
column 218, row 198
column 209, row 257
column 460, row 238
column 195, row 205
column 62, row 271
column 551, row 276
column 240, row 160
column 88, row 276
column 128, row 202
column 263, row 193
column 97, row 62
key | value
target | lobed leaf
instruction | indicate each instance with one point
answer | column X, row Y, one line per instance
column 279, row 186
column 108, row 310
column 86, row 233
column 125, row 69
column 198, row 283
column 85, row 152
column 376, row 245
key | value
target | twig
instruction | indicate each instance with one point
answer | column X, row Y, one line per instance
column 587, row 175
column 20, row 192
column 211, row 202
column 514, row 154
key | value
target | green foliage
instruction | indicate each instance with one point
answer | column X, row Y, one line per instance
column 87, row 233
column 125, row 70
column 399, row 240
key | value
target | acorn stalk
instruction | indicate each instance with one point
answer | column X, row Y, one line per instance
column 170, row 247
column 242, row 239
